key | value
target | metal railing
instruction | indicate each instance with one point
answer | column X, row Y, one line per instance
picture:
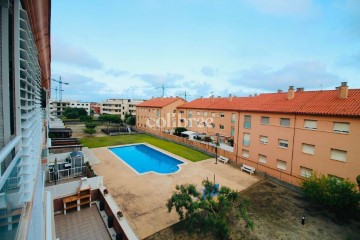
column 66, row 173
column 12, row 183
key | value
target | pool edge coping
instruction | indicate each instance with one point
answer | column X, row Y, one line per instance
column 181, row 159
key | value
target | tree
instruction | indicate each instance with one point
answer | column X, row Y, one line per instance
column 337, row 194
column 74, row 113
column 179, row 130
column 130, row 119
column 91, row 125
column 110, row 119
column 90, row 131
column 202, row 213
column 358, row 181
column 86, row 118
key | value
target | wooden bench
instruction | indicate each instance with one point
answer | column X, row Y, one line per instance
column 248, row 169
column 223, row 159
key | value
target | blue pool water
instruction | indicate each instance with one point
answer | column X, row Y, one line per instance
column 145, row 159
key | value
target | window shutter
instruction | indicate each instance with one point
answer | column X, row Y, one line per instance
column 281, row 165
column 338, row 155
column 262, row 158
column 341, row 127
column 310, row 124
column 307, row 148
column 305, row 172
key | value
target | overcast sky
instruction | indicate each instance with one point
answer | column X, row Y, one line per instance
column 126, row 49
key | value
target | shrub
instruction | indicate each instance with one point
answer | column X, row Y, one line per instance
column 179, row 130
column 339, row 195
column 90, row 131
column 86, row 118
column 91, row 125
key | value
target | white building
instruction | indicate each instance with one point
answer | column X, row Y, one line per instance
column 119, row 106
column 57, row 107
column 25, row 207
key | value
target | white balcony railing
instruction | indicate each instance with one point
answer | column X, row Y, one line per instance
column 66, row 173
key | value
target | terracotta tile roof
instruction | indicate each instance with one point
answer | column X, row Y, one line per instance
column 309, row 102
column 159, row 102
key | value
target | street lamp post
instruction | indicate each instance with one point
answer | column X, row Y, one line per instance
column 216, row 147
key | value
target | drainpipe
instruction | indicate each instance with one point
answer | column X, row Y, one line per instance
column 292, row 152
column 237, row 142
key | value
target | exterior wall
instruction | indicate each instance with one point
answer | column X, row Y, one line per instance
column 324, row 140
column 198, row 125
column 119, row 106
column 271, row 150
column 167, row 113
column 57, row 107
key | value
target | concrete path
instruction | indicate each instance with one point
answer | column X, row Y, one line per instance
column 90, row 156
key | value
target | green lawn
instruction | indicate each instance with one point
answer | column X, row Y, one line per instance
column 185, row 152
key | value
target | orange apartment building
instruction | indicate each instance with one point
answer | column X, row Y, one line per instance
column 158, row 115
column 294, row 134
column 212, row 116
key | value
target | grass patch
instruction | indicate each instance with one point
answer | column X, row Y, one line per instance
column 185, row 152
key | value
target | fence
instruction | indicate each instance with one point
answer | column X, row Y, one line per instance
column 12, row 183
column 66, row 173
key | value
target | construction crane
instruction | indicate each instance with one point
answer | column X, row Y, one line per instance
column 163, row 89
column 56, row 92
column 60, row 86
column 185, row 95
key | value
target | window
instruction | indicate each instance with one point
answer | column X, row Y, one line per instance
column 213, row 114
column 305, row 172
column 310, row 124
column 181, row 120
column 190, row 124
column 213, row 125
column 336, row 177
column 174, row 111
column 265, row 120
column 158, row 113
column 281, row 164
column 285, row 122
column 247, row 121
column 233, row 118
column 338, row 155
column 205, row 114
column 263, row 139
column 198, row 113
column 245, row 153
column 283, row 143
column 221, row 126
column 232, row 131
column 341, row 127
column 308, row 149
column 262, row 159
column 222, row 114
column 189, row 113
column 246, row 139
column 181, row 111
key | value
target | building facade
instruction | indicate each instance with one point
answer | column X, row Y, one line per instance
column 57, row 107
column 24, row 108
column 158, row 114
column 119, row 106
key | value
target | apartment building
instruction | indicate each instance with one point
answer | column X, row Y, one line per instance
column 57, row 107
column 213, row 116
column 158, row 114
column 119, row 106
column 24, row 91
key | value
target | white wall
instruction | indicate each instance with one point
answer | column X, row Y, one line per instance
column 70, row 188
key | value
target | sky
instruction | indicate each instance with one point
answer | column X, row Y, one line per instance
column 130, row 49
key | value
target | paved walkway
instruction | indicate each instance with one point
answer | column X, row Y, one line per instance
column 85, row 224
column 142, row 198
column 90, row 156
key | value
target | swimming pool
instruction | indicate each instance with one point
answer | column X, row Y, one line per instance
column 144, row 159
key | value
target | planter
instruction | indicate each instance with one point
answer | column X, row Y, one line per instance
column 119, row 214
column 106, row 191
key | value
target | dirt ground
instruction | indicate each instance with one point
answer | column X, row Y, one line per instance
column 277, row 213
column 78, row 130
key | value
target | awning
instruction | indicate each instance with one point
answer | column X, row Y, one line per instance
column 189, row 133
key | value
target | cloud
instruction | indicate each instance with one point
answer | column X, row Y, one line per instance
column 208, row 71
column 281, row 7
column 116, row 73
column 299, row 74
column 352, row 61
column 157, row 79
column 66, row 53
column 82, row 88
